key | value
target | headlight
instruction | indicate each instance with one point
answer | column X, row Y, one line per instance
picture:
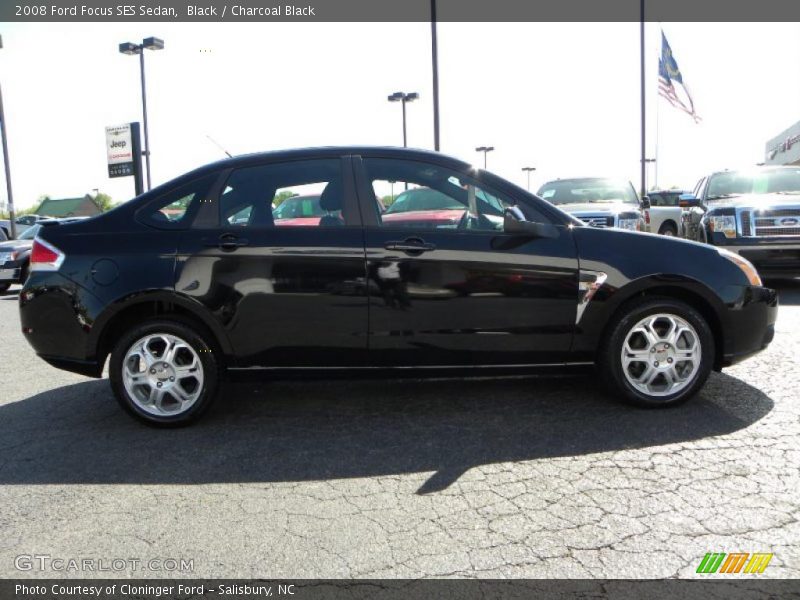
column 630, row 224
column 725, row 224
column 745, row 265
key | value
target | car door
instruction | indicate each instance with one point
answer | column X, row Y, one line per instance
column 446, row 285
column 288, row 291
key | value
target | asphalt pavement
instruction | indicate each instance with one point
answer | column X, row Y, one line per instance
column 518, row 477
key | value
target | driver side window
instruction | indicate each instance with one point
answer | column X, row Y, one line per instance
column 415, row 195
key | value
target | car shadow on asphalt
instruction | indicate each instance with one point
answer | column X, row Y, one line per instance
column 317, row 430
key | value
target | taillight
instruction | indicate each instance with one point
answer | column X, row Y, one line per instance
column 647, row 217
column 45, row 256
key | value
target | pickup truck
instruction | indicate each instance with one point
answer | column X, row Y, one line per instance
column 665, row 212
column 597, row 201
column 753, row 212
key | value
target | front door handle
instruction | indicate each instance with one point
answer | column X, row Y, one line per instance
column 227, row 241
column 410, row 245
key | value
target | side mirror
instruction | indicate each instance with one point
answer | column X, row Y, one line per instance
column 514, row 222
column 645, row 203
column 688, row 201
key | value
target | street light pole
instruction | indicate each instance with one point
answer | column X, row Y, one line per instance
column 11, row 215
column 485, row 150
column 529, row 169
column 646, row 162
column 151, row 43
column 144, row 121
column 435, row 61
column 403, row 98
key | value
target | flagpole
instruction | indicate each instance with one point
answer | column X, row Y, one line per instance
column 658, row 114
column 642, row 92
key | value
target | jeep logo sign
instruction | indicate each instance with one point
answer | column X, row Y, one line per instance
column 119, row 148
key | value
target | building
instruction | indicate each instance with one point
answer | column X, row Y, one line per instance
column 784, row 148
column 69, row 207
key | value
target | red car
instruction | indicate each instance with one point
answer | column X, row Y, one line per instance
column 301, row 211
column 424, row 207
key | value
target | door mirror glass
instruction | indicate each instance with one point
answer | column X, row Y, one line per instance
column 688, row 201
column 645, row 203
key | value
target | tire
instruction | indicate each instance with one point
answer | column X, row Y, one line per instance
column 4, row 287
column 626, row 333
column 165, row 372
column 668, row 229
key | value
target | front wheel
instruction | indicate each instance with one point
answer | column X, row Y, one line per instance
column 163, row 372
column 4, row 287
column 658, row 352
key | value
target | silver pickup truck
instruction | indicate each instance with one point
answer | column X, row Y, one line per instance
column 665, row 213
column 597, row 201
column 755, row 213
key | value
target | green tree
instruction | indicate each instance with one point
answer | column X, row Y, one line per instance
column 104, row 201
column 281, row 196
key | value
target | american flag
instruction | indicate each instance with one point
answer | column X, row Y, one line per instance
column 668, row 75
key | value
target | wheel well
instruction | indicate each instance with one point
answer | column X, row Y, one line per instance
column 691, row 298
column 127, row 317
column 668, row 223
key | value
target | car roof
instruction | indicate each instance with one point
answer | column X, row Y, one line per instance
column 331, row 151
column 756, row 169
column 580, row 179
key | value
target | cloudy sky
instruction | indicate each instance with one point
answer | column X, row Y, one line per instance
column 563, row 98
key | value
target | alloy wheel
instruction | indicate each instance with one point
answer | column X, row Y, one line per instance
column 661, row 355
column 162, row 374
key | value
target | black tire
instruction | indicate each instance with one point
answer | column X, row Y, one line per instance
column 668, row 229
column 609, row 360
column 205, row 350
column 4, row 287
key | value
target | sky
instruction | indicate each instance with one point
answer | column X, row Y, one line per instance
column 561, row 97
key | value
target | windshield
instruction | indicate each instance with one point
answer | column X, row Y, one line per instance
column 423, row 199
column 734, row 183
column 299, row 207
column 580, row 191
column 29, row 233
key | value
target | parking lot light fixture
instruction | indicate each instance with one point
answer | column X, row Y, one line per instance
column 528, row 170
column 403, row 98
column 129, row 48
column 485, row 150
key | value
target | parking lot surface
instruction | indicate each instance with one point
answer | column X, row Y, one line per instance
column 520, row 477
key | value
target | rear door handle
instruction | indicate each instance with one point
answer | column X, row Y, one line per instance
column 227, row 241
column 410, row 245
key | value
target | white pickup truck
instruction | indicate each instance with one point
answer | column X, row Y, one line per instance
column 664, row 214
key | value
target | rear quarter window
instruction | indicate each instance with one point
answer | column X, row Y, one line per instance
column 177, row 208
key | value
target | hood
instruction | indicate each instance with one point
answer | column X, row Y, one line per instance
column 598, row 208
column 756, row 201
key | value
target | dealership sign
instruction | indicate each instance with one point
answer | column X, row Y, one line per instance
column 120, row 150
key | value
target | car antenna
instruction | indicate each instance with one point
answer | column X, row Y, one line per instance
column 218, row 145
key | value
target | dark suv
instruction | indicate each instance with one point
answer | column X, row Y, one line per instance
column 754, row 212
column 197, row 277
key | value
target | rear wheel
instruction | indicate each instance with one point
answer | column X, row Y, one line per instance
column 658, row 352
column 4, row 287
column 668, row 229
column 164, row 373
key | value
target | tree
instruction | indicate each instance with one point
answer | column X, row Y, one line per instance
column 281, row 196
column 104, row 201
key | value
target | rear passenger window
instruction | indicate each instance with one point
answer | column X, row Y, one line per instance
column 177, row 208
column 307, row 193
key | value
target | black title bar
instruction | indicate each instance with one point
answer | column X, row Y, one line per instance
column 397, row 10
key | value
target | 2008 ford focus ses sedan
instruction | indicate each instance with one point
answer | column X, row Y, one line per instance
column 198, row 277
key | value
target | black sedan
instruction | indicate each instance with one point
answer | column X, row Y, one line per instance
column 196, row 278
